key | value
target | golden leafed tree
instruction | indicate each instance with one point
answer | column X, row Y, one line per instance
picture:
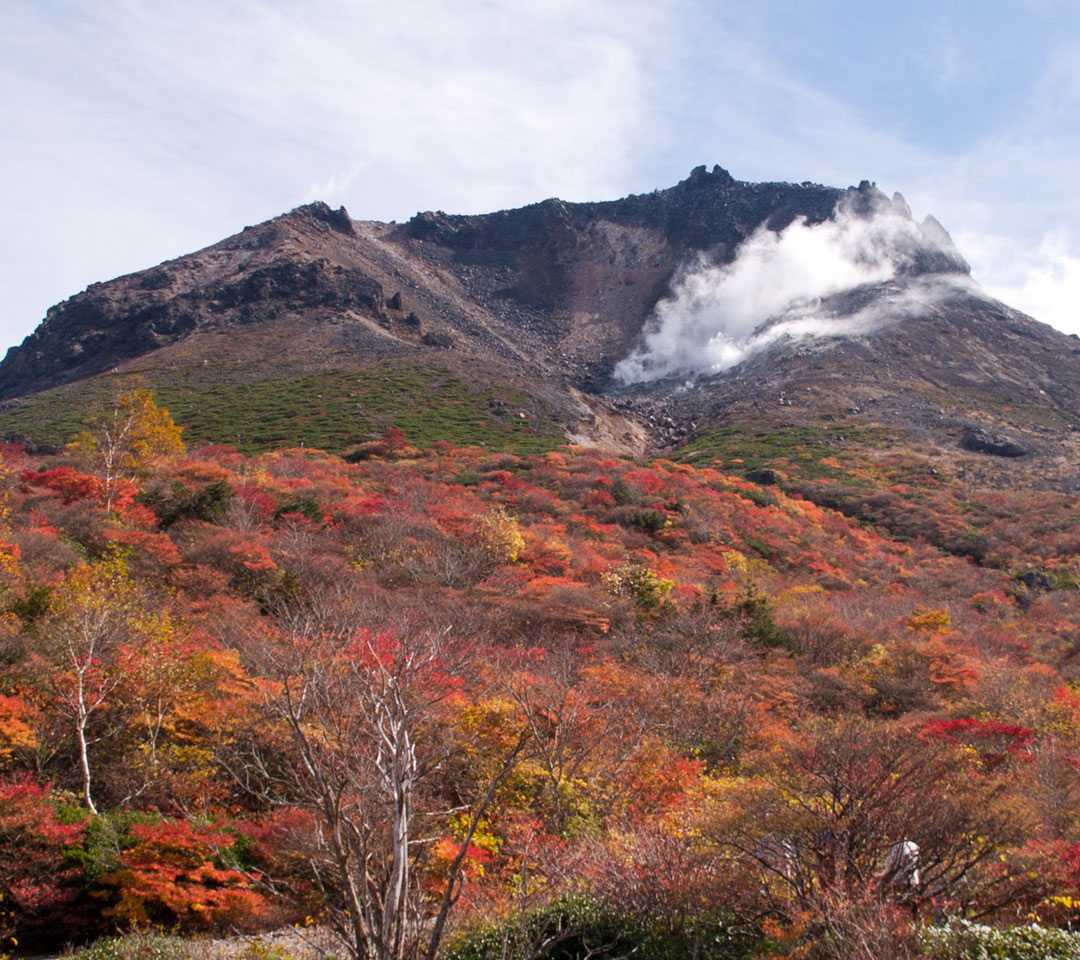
column 127, row 438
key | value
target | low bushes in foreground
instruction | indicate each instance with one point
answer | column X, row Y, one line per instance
column 963, row 940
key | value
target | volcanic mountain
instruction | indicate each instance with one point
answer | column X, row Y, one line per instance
column 524, row 328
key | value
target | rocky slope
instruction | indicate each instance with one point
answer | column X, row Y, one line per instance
column 554, row 295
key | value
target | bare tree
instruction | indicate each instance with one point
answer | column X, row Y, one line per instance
column 574, row 724
column 842, row 803
column 82, row 648
column 363, row 716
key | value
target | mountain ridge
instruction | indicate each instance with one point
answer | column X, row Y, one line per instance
column 554, row 295
column 154, row 306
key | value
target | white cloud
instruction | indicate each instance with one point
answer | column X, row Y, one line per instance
column 1043, row 282
column 156, row 128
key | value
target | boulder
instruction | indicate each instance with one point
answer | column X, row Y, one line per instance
column 1035, row 580
column 981, row 440
column 441, row 341
column 764, row 477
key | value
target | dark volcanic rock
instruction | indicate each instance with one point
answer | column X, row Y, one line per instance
column 1035, row 580
column 338, row 219
column 112, row 322
column 442, row 341
column 983, row 441
column 289, row 284
column 561, row 292
column 707, row 210
column 763, row 477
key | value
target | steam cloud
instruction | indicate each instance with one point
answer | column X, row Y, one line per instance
column 718, row 316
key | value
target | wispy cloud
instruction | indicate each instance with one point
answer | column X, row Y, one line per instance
column 952, row 64
column 1042, row 281
column 1010, row 198
column 747, row 109
column 157, row 128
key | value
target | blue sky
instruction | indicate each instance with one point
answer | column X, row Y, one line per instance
column 138, row 130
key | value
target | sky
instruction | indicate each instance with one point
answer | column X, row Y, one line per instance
column 139, row 130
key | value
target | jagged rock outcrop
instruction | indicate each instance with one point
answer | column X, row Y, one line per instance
column 565, row 285
column 559, row 293
column 979, row 440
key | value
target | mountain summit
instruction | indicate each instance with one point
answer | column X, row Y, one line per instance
column 638, row 323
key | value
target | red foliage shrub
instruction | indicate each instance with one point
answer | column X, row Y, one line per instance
column 262, row 503
column 68, row 482
column 177, row 875
column 993, row 740
column 37, row 879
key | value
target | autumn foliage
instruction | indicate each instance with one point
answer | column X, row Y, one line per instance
column 420, row 694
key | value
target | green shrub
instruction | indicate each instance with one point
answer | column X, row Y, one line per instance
column 579, row 927
column 751, row 610
column 208, row 504
column 107, row 835
column 136, row 946
column 305, row 507
column 963, row 940
column 33, row 604
column 760, row 498
column 649, row 521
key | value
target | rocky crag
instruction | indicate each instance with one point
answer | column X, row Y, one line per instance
column 555, row 294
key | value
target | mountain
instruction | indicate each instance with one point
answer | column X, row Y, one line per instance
column 780, row 655
column 535, row 316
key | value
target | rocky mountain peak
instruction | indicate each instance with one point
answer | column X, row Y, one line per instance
column 562, row 293
column 700, row 177
column 320, row 212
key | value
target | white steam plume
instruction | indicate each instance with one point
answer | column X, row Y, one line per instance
column 717, row 316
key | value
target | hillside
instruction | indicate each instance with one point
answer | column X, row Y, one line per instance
column 532, row 311
column 778, row 656
column 614, row 673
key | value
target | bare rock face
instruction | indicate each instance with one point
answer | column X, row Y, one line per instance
column 249, row 278
column 109, row 323
column 561, row 292
column 338, row 219
column 565, row 287
column 979, row 440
